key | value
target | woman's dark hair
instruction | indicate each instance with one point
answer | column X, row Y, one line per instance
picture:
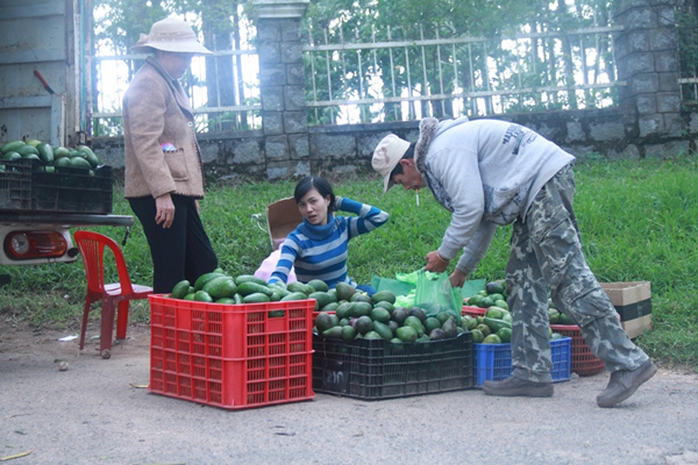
column 409, row 153
column 309, row 183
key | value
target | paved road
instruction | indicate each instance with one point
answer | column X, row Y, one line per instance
column 97, row 413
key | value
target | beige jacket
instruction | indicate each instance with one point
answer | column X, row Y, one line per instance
column 157, row 111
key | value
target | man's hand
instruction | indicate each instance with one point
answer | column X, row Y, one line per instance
column 165, row 210
column 436, row 262
column 457, row 278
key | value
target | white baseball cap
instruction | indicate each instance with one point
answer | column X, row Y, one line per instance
column 386, row 157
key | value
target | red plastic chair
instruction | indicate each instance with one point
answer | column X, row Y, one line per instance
column 91, row 246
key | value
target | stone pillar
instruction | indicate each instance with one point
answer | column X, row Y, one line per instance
column 647, row 59
column 282, row 86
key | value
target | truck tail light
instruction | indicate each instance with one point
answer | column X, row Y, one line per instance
column 26, row 245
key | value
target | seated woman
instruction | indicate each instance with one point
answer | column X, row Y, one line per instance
column 317, row 248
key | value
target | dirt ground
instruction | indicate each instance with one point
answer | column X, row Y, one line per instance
column 100, row 412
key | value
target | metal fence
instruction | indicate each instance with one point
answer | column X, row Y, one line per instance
column 112, row 73
column 406, row 79
column 687, row 35
column 391, row 78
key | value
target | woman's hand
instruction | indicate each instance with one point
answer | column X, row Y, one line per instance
column 165, row 210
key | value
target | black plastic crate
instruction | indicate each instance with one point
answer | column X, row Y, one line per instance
column 15, row 185
column 74, row 190
column 373, row 369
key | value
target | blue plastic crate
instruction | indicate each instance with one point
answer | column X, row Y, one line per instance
column 493, row 361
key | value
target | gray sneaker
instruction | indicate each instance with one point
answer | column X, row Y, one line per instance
column 624, row 383
column 511, row 387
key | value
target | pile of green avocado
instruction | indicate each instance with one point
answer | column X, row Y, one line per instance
column 357, row 315
column 80, row 157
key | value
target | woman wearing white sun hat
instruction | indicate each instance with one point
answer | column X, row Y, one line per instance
column 163, row 168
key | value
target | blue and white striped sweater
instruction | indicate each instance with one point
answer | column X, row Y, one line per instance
column 320, row 252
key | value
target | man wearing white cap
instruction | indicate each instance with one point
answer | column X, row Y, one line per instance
column 489, row 173
column 163, row 169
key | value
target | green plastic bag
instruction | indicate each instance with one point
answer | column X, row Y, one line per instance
column 392, row 285
column 471, row 287
column 434, row 294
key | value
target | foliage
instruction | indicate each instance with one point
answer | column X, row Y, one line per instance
column 470, row 67
column 638, row 221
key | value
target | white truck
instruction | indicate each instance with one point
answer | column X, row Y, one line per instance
column 43, row 81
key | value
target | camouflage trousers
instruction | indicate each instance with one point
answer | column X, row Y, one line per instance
column 546, row 256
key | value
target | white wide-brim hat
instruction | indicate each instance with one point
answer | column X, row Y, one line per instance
column 170, row 35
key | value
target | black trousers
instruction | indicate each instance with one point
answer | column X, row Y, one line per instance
column 182, row 251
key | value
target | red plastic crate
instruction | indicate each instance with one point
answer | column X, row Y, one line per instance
column 493, row 361
column 231, row 356
column 473, row 311
column 584, row 362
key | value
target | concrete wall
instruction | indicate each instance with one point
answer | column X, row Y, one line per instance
column 339, row 150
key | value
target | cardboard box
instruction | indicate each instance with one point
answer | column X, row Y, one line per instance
column 637, row 326
column 622, row 294
column 633, row 302
column 282, row 218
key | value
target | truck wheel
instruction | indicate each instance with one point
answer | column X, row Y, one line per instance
column 106, row 353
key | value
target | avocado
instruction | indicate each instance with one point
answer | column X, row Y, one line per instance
column 249, row 278
column 406, row 334
column 383, row 296
column 344, row 291
column 344, row 310
column 294, row 296
column 361, row 297
column 321, row 298
column 348, row 333
column 372, row 335
column 383, row 329
column 386, row 305
column 419, row 313
column 450, row 328
column 256, row 297
column 437, row 333
column 380, row 314
column 221, row 286
column 334, row 332
column 430, row 324
column 364, row 324
column 12, row 146
column 399, row 315
column 251, row 287
column 360, row 309
column 180, row 289
column 202, row 296
column 323, row 321
column 45, row 153
column 415, row 323
column 79, row 162
column 319, row 285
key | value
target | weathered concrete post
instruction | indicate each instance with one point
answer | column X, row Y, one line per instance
column 282, row 86
column 646, row 58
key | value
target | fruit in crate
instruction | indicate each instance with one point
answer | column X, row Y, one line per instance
column 50, row 156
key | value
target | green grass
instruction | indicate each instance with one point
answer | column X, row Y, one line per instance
column 638, row 221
